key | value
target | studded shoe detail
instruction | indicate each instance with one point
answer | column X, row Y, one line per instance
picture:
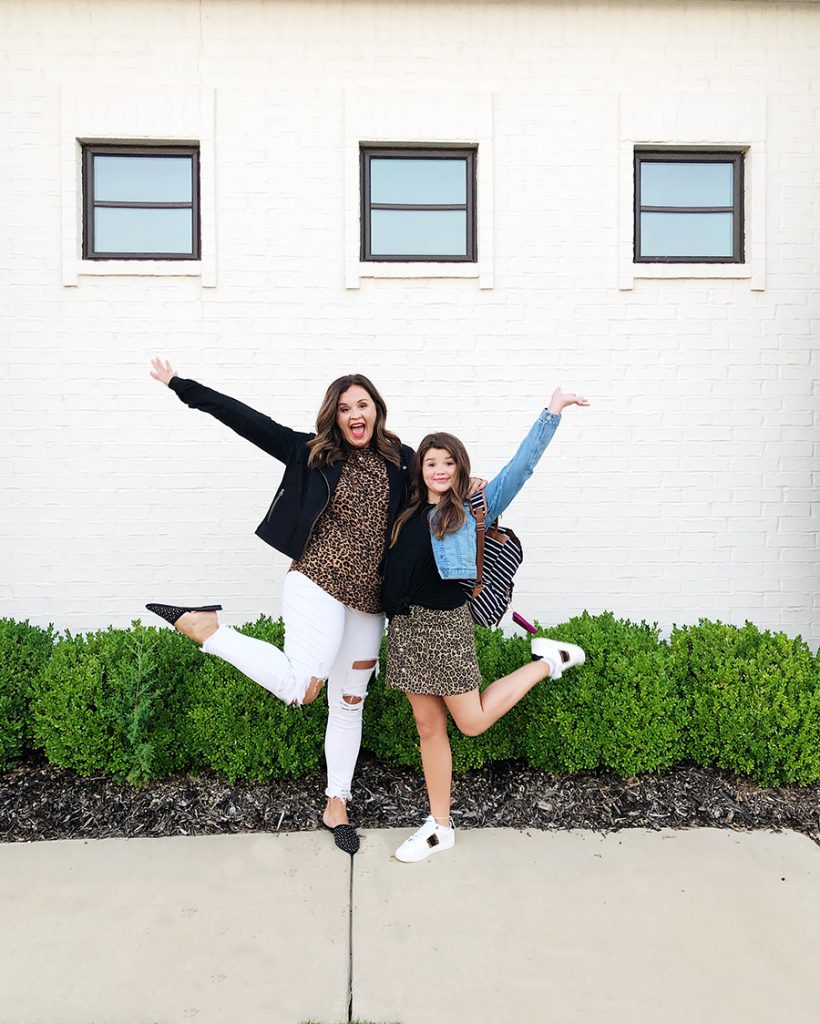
column 172, row 612
column 345, row 836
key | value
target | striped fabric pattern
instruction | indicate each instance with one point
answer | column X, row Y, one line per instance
column 503, row 553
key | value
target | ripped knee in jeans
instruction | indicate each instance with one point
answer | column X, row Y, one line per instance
column 313, row 690
column 354, row 693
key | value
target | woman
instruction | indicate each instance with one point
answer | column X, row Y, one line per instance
column 332, row 514
column 431, row 646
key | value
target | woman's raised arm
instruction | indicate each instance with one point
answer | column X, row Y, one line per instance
column 279, row 441
column 163, row 372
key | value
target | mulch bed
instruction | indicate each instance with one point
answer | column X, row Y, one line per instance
column 38, row 801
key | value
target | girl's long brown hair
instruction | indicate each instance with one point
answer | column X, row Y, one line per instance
column 328, row 446
column 450, row 514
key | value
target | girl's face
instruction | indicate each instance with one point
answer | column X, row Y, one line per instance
column 439, row 471
column 356, row 416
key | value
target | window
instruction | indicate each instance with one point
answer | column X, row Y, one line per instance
column 688, row 207
column 418, row 204
column 141, row 202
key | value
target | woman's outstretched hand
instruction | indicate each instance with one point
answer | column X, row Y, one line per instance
column 561, row 399
column 163, row 372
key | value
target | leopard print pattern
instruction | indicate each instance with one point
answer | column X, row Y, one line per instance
column 346, row 546
column 432, row 652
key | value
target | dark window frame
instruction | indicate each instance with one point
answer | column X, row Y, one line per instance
column 92, row 149
column 683, row 156
column 368, row 153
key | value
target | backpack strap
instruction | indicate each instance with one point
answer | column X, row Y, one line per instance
column 479, row 510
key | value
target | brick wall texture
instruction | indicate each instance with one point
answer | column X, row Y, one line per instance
column 686, row 489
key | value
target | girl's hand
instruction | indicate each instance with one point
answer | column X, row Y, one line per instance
column 561, row 399
column 475, row 484
column 163, row 372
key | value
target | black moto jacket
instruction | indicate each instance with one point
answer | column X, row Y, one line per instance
column 304, row 492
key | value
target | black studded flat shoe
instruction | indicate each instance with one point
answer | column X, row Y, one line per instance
column 172, row 612
column 344, row 836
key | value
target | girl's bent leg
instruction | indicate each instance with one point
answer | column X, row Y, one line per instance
column 475, row 712
column 314, row 624
column 355, row 663
column 430, row 714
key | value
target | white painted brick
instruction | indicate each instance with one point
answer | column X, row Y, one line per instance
column 685, row 490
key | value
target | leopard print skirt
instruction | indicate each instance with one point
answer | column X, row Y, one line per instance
column 432, row 652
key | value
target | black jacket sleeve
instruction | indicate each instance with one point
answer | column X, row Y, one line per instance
column 278, row 441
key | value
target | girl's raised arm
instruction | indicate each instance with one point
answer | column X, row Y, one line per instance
column 503, row 488
column 561, row 399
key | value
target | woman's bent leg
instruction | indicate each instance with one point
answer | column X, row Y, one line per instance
column 260, row 661
column 430, row 714
column 314, row 625
column 355, row 662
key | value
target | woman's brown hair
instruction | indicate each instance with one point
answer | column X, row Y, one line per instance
column 450, row 514
column 328, row 446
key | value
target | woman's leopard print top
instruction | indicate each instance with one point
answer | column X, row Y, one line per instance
column 347, row 543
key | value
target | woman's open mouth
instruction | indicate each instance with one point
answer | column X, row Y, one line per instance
column 358, row 431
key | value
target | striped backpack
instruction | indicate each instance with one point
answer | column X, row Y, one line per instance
column 498, row 556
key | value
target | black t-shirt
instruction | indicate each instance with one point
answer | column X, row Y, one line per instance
column 411, row 576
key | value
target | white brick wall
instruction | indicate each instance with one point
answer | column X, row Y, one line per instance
column 686, row 490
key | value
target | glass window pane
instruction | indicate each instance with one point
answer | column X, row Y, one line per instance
column 686, row 184
column 142, row 179
column 418, row 233
column 418, row 181
column 142, row 231
column 686, row 234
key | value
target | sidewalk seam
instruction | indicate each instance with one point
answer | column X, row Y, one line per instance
column 350, row 947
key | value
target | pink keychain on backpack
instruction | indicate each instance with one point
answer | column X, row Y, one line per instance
column 522, row 622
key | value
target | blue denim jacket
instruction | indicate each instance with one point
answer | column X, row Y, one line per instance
column 455, row 552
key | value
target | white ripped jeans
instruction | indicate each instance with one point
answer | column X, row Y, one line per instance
column 324, row 639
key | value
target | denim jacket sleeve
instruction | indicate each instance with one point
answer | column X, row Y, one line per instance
column 503, row 488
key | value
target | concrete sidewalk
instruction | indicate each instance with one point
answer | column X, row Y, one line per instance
column 656, row 927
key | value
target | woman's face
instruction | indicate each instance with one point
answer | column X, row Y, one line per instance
column 439, row 471
column 356, row 416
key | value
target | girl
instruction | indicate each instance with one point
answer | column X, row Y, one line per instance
column 431, row 646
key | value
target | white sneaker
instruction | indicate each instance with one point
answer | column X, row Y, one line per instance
column 560, row 655
column 430, row 838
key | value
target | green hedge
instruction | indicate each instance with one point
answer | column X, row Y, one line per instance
column 24, row 653
column 751, row 701
column 144, row 703
column 243, row 732
column 620, row 710
column 117, row 701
